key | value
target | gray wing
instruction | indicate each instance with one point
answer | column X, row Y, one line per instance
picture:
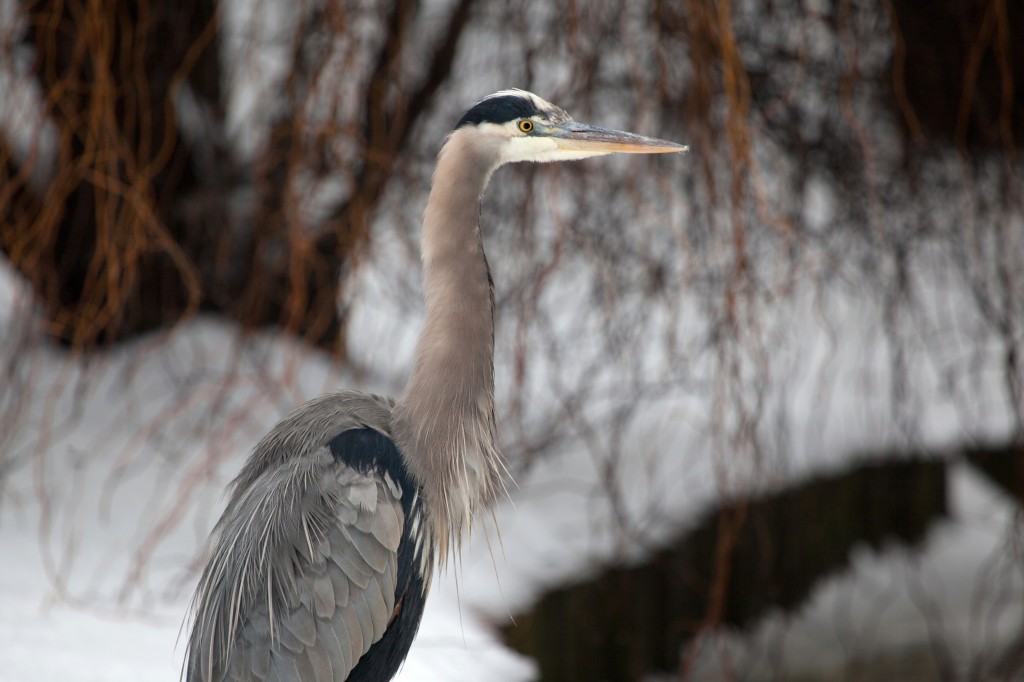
column 302, row 578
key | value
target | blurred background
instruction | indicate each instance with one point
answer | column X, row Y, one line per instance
column 764, row 403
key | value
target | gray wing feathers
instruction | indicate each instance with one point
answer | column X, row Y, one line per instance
column 323, row 596
column 386, row 525
column 302, row 580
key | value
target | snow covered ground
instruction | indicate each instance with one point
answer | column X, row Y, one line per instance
column 119, row 465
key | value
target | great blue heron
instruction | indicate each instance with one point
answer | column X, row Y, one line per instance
column 321, row 562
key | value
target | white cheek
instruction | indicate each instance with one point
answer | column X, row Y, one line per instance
column 540, row 150
column 527, row 149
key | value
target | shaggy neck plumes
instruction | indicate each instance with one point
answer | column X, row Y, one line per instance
column 444, row 421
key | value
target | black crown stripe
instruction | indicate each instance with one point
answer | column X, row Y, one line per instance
column 498, row 110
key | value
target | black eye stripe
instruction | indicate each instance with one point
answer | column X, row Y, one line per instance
column 498, row 110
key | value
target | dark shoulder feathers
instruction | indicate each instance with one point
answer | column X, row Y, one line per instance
column 370, row 451
column 366, row 450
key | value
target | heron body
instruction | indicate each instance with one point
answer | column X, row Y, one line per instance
column 319, row 567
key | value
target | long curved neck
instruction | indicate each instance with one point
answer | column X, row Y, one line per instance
column 444, row 421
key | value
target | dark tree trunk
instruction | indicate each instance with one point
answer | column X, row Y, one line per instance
column 954, row 71
column 104, row 243
column 134, row 229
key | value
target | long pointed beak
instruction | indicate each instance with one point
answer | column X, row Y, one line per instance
column 580, row 137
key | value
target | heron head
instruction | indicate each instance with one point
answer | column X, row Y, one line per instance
column 523, row 127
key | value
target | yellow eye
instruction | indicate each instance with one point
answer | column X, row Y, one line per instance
column 526, row 125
